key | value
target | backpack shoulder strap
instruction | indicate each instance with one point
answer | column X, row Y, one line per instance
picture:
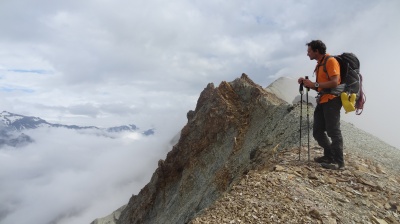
column 324, row 64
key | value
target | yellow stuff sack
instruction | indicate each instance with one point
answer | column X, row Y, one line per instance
column 348, row 102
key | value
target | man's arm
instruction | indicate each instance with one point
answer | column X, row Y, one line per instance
column 332, row 83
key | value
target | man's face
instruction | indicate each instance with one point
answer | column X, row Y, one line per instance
column 311, row 54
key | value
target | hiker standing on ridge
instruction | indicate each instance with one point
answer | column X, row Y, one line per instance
column 327, row 112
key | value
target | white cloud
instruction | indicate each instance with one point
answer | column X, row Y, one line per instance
column 64, row 175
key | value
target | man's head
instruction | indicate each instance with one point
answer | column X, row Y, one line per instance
column 316, row 49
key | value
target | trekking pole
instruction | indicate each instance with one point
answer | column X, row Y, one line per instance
column 301, row 112
column 308, row 125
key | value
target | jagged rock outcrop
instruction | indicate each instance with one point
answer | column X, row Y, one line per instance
column 220, row 169
column 229, row 127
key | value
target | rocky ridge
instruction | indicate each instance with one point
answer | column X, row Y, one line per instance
column 222, row 137
column 236, row 162
column 291, row 191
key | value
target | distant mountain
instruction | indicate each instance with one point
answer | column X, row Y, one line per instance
column 20, row 122
column 12, row 125
column 130, row 127
column 14, row 139
column 287, row 89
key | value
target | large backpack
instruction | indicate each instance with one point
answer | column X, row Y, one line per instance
column 351, row 79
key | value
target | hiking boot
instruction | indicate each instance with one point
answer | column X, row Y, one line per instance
column 323, row 159
column 333, row 166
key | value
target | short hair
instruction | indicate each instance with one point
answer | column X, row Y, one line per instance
column 317, row 45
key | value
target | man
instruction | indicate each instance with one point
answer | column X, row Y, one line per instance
column 327, row 112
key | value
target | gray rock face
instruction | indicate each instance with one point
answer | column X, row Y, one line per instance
column 230, row 126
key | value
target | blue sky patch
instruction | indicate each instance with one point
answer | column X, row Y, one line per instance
column 36, row 71
column 13, row 89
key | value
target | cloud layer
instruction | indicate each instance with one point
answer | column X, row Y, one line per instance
column 67, row 177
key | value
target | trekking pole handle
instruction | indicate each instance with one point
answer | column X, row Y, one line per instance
column 308, row 88
column 301, row 88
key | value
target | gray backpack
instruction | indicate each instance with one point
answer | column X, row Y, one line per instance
column 351, row 79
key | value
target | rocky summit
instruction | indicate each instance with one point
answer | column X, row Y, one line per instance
column 238, row 160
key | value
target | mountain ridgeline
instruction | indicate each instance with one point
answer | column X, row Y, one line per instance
column 228, row 129
column 236, row 128
column 13, row 125
column 225, row 136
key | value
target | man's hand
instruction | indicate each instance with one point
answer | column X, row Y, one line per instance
column 306, row 82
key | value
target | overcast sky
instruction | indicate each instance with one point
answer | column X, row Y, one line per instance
column 108, row 63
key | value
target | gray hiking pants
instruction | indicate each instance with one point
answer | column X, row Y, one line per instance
column 327, row 124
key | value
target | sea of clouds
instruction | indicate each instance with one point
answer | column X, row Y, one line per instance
column 71, row 177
